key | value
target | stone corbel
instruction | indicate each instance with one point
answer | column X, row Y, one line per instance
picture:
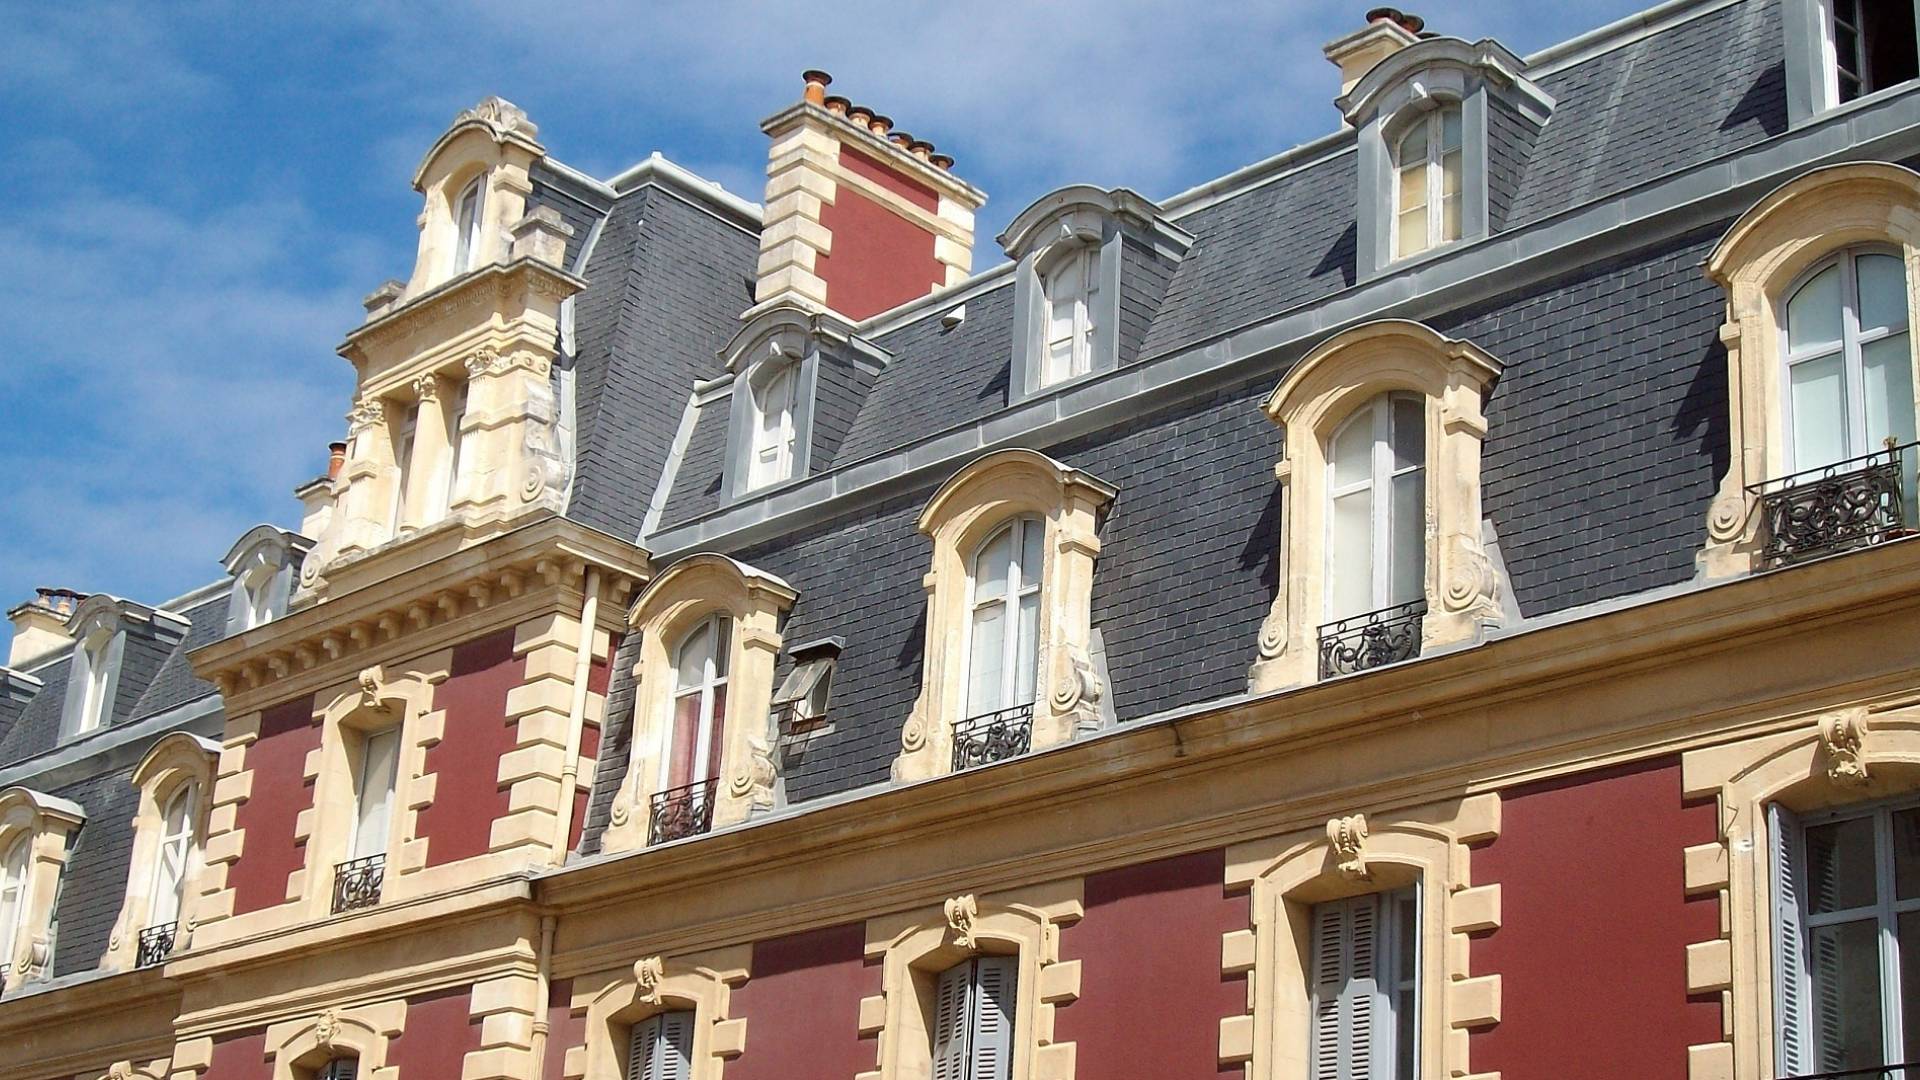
column 961, row 912
column 1077, row 687
column 648, row 975
column 373, row 687
column 1843, row 747
column 1347, row 836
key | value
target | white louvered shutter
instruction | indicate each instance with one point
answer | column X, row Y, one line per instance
column 1793, row 1049
column 950, row 1022
column 676, row 1046
column 641, row 1063
column 341, row 1069
column 1345, row 989
column 994, row 983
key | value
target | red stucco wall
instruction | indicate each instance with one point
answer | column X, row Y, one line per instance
column 1151, row 992
column 803, row 1007
column 238, row 1056
column 438, row 1036
column 467, row 794
column 269, row 852
column 564, row 1029
column 879, row 259
column 1595, row 923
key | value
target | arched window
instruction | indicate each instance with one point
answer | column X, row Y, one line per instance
column 973, row 1013
column 13, row 896
column 1376, row 485
column 170, row 863
column 661, row 1047
column 95, row 678
column 466, row 223
column 1849, row 361
column 256, row 597
column 1004, row 631
column 1069, row 280
column 699, row 706
column 772, row 454
column 1427, row 187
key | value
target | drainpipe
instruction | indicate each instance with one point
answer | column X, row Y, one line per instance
column 577, row 716
column 543, row 981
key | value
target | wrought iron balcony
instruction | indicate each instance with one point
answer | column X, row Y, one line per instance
column 1387, row 636
column 156, row 944
column 1835, row 508
column 357, row 882
column 995, row 736
column 683, row 811
column 1871, row 1072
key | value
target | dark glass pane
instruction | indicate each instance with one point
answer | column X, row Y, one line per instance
column 1888, row 28
column 1845, row 962
column 1906, row 854
column 1840, row 872
column 1910, row 982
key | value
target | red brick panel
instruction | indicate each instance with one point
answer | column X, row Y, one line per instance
column 879, row 261
column 881, row 173
column 803, row 1007
column 438, row 1036
column 281, row 790
column 1595, row 924
column 467, row 794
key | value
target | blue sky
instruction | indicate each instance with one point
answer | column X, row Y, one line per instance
column 199, row 194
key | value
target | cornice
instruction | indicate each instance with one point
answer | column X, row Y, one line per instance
column 847, row 131
column 483, row 288
column 54, row 1007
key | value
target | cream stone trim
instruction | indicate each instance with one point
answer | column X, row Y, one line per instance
column 671, row 606
column 1805, row 769
column 615, row 1001
column 1322, row 390
column 1353, row 855
column 494, row 139
column 538, row 709
column 50, row 821
column 1797, row 225
column 155, row 1069
column 510, row 1009
column 179, row 759
column 297, row 1048
column 984, row 495
column 916, row 946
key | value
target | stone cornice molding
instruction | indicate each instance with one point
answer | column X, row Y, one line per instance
column 23, row 806
column 486, row 289
column 494, row 117
column 271, row 536
column 1028, row 231
column 1485, row 58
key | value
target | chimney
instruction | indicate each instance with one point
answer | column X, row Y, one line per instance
column 40, row 624
column 859, row 218
column 1388, row 30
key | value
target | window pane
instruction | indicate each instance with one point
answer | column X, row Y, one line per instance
column 1350, row 561
column 686, row 740
column 722, row 645
column 1883, row 292
column 1032, row 562
column 1413, row 232
column 990, row 568
column 1450, row 129
column 1846, row 994
column 1819, row 412
column 1450, row 218
column 1409, row 433
column 1910, row 982
column 1906, row 857
column 1888, row 366
column 1353, row 450
column 983, row 668
column 381, row 752
column 1813, row 315
column 1409, row 532
column 1027, row 647
column 1840, row 870
column 695, row 652
column 1413, row 146
column 1413, row 186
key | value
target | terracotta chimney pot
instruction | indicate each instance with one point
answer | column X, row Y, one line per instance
column 900, row 139
column 336, row 459
column 838, row 105
column 860, row 115
column 881, row 125
column 941, row 161
column 921, row 149
column 817, row 81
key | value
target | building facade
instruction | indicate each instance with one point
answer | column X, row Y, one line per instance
column 1426, row 605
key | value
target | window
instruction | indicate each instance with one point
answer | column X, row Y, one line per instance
column 973, row 1014
column 773, row 428
column 403, row 440
column 699, row 706
column 1870, row 46
column 1004, row 631
column 95, row 674
column 456, row 444
column 339, row 1069
column 1070, row 282
column 1849, row 363
column 1365, row 980
column 1427, row 189
column 661, row 1048
column 170, row 863
column 466, row 223
column 379, row 767
column 13, row 897
column 1847, row 923
column 1376, row 484
column 255, row 603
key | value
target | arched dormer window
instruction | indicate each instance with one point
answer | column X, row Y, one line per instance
column 781, row 362
column 1427, row 182
column 1381, row 519
column 1070, row 283
column 475, row 180
column 264, row 563
column 97, row 675
column 690, row 768
column 169, row 827
column 772, row 453
column 1821, row 369
column 466, row 224
column 36, row 836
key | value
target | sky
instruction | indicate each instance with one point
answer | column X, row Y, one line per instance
column 199, row 193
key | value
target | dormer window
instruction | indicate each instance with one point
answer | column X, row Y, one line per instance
column 1849, row 368
column 1070, row 281
column 1871, row 43
column 1427, row 163
column 94, row 672
column 773, row 393
column 466, row 223
column 13, row 897
column 782, row 364
column 263, row 563
column 1004, row 631
column 1377, row 486
column 254, row 602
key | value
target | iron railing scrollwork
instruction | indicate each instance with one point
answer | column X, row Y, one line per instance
column 991, row 737
column 357, row 882
column 1870, row 1072
column 678, row 813
column 1376, row 638
column 156, row 944
column 1838, row 507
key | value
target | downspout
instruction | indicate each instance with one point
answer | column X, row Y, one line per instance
column 576, row 716
column 543, row 982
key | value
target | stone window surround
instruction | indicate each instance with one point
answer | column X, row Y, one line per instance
column 263, row 551
column 1859, row 755
column 493, row 140
column 700, row 983
column 1342, row 373
column 1799, row 224
column 96, row 615
column 1428, row 847
column 676, row 601
column 1077, row 216
column 969, row 508
column 297, row 1048
column 915, row 947
column 51, row 824
column 175, row 761
column 1804, row 27
column 1403, row 88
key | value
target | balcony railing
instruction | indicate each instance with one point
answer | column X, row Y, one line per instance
column 995, row 736
column 683, row 811
column 156, row 944
column 1387, row 636
column 1835, row 508
column 1871, row 1072
column 357, row 882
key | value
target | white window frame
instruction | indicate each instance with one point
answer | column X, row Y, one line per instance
column 256, row 596
column 1021, row 582
column 456, row 445
column 94, row 647
column 1389, row 1005
column 1377, row 411
column 713, row 679
column 1829, row 14
column 1853, row 342
column 661, row 1047
column 173, row 859
column 364, row 842
column 16, row 875
column 405, row 439
column 1053, row 266
column 771, row 449
column 972, row 1030
column 469, row 211
column 1433, row 125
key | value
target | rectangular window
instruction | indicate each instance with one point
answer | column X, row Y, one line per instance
column 403, row 439
column 661, row 1048
column 1846, row 894
column 973, row 1017
column 1870, row 46
column 379, row 764
column 1365, row 973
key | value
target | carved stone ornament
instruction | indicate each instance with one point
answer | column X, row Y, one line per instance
column 914, row 735
column 501, row 115
column 961, row 913
column 1727, row 517
column 373, row 683
column 1348, row 837
column 648, row 974
column 366, row 413
column 426, row 388
column 1469, row 581
column 1079, row 684
column 120, row 1070
column 484, row 361
column 621, row 811
column 754, row 779
column 326, row 1028
column 1841, row 742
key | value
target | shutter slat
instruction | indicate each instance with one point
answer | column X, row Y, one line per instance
column 993, row 1013
column 1793, row 1051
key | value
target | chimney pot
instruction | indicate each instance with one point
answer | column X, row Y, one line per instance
column 921, row 149
column 838, row 105
column 941, row 161
column 336, row 459
column 881, row 125
column 817, row 82
column 900, row 139
column 1407, row 21
column 860, row 115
